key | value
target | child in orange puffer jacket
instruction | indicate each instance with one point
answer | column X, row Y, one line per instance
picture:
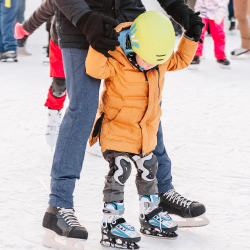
column 128, row 119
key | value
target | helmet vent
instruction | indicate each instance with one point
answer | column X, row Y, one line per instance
column 159, row 59
column 160, row 55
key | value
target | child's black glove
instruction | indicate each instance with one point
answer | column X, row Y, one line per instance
column 196, row 26
column 93, row 26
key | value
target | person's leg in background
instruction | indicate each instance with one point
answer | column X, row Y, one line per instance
column 7, row 22
column 196, row 60
column 83, row 92
column 231, row 15
column 191, row 3
column 56, row 95
column 241, row 12
column 21, row 51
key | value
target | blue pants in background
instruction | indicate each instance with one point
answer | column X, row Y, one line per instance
column 230, row 10
column 83, row 93
column 7, row 22
column 20, row 18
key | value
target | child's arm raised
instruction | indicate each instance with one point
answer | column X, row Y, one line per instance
column 183, row 56
column 42, row 14
column 99, row 66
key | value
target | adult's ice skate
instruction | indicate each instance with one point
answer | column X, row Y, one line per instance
column 240, row 53
column 62, row 222
column 155, row 222
column 52, row 131
column 116, row 232
column 9, row 56
column 192, row 213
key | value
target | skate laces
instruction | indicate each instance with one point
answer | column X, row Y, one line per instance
column 69, row 217
column 177, row 198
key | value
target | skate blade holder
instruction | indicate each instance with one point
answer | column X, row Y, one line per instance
column 52, row 240
column 198, row 221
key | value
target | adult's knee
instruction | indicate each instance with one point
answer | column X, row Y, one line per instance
column 58, row 87
column 121, row 170
column 147, row 167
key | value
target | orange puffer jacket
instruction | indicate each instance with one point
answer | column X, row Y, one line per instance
column 130, row 98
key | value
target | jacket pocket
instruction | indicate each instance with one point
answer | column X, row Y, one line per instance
column 125, row 126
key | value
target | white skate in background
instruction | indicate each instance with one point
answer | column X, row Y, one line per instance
column 52, row 131
column 95, row 149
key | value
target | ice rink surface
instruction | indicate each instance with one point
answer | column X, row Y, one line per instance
column 206, row 123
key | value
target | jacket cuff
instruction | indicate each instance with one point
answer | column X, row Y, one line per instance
column 190, row 38
column 82, row 21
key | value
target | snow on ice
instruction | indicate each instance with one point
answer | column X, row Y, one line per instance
column 206, row 123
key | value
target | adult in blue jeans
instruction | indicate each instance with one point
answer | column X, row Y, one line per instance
column 78, row 26
column 8, row 12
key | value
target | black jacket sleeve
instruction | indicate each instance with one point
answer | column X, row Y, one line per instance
column 165, row 3
column 42, row 14
column 73, row 9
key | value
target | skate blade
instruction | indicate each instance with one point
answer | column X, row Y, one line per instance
column 64, row 244
column 169, row 236
column 193, row 67
column 224, row 66
column 121, row 245
column 9, row 60
column 240, row 57
column 198, row 221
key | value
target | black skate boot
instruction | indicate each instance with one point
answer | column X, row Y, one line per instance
column 63, row 222
column 155, row 222
column 192, row 211
column 194, row 65
column 116, row 232
column 224, row 63
column 9, row 56
column 232, row 24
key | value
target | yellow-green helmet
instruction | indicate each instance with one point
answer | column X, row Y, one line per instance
column 152, row 37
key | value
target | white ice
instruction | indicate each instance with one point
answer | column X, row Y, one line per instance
column 206, row 123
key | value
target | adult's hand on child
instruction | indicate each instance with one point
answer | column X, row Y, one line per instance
column 180, row 12
column 196, row 26
column 219, row 16
column 93, row 26
column 20, row 32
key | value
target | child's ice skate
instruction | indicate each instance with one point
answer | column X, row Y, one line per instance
column 153, row 221
column 62, row 222
column 54, row 122
column 192, row 213
column 116, row 232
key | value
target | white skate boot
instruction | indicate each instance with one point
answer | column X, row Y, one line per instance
column 155, row 222
column 116, row 232
column 52, row 131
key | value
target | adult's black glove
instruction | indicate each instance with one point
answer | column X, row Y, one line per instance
column 186, row 17
column 180, row 12
column 196, row 26
column 93, row 26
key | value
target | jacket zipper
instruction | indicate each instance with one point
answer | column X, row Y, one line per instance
column 158, row 81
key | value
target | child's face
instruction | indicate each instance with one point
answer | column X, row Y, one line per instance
column 143, row 64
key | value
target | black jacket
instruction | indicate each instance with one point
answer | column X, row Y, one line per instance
column 69, row 12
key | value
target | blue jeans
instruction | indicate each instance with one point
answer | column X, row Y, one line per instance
column 83, row 93
column 230, row 10
column 7, row 22
column 163, row 175
column 20, row 17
